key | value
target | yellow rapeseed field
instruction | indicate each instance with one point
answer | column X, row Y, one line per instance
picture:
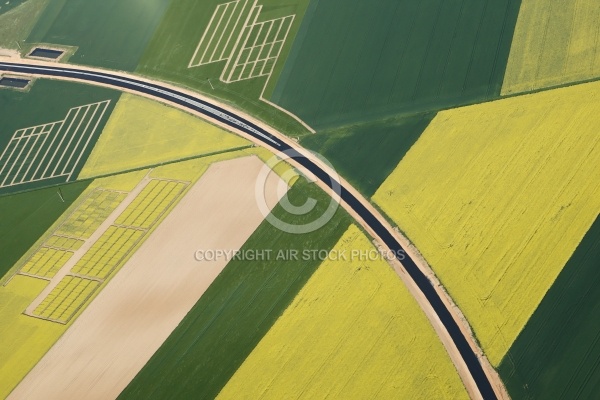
column 192, row 170
column 497, row 196
column 63, row 302
column 353, row 332
column 23, row 340
column 555, row 42
column 142, row 132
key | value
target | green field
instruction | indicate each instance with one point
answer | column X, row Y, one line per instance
column 557, row 354
column 48, row 151
column 17, row 23
column 237, row 310
column 365, row 154
column 108, row 33
column 8, row 5
column 173, row 46
column 379, row 58
column 25, row 217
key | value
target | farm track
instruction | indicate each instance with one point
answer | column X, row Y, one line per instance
column 479, row 379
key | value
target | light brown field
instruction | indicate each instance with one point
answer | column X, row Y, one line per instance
column 128, row 321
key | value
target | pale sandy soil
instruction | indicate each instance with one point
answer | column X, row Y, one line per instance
column 87, row 245
column 122, row 328
column 9, row 53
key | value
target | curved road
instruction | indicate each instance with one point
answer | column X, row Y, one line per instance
column 231, row 119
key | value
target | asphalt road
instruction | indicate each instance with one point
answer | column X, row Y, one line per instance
column 231, row 119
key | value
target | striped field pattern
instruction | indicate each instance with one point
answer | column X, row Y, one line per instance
column 262, row 45
column 64, row 243
column 46, row 262
column 66, row 299
column 51, row 150
column 217, row 41
column 151, row 203
column 235, row 34
column 106, row 254
column 91, row 213
column 109, row 250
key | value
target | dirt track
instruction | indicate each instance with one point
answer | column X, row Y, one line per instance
column 133, row 315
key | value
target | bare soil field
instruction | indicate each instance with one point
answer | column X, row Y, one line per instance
column 129, row 320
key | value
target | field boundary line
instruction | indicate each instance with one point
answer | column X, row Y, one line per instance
column 78, row 109
column 237, row 21
column 48, row 156
column 82, row 300
column 85, row 113
column 477, row 38
column 89, row 242
column 37, row 153
column 242, row 38
column 224, row 28
column 254, row 11
column 37, row 138
column 106, row 104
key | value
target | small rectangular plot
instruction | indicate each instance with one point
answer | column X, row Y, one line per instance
column 258, row 68
column 264, row 52
column 268, row 67
column 275, row 49
column 91, row 213
column 274, row 27
column 264, row 41
column 263, row 32
column 63, row 302
column 244, row 56
column 254, row 54
column 46, row 262
column 247, row 69
column 151, row 203
column 62, row 242
column 106, row 254
column 252, row 38
column 286, row 24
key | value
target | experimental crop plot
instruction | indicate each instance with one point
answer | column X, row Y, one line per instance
column 66, row 299
column 250, row 51
column 52, row 150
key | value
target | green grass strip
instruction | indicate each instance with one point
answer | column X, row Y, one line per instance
column 365, row 154
column 238, row 309
column 558, row 352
